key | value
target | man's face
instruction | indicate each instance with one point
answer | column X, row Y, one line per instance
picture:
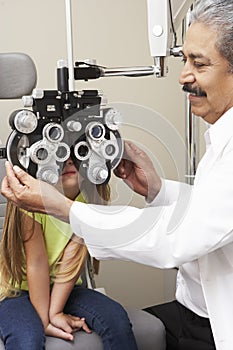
column 206, row 74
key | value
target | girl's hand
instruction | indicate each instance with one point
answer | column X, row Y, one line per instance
column 69, row 324
column 53, row 331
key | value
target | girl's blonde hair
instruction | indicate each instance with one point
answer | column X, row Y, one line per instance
column 12, row 255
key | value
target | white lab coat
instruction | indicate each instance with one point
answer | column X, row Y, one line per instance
column 197, row 226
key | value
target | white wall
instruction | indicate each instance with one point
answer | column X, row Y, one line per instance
column 114, row 33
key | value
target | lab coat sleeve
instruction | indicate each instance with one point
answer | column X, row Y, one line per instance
column 117, row 232
column 199, row 222
column 169, row 193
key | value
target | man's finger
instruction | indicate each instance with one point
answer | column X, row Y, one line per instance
column 120, row 169
column 133, row 150
column 14, row 182
column 6, row 191
column 20, row 188
column 22, row 176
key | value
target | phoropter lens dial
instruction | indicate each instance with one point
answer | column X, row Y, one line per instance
column 41, row 152
column 82, row 151
column 53, row 132
column 63, row 152
column 24, row 121
column 96, row 131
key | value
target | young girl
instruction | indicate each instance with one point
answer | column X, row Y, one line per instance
column 40, row 291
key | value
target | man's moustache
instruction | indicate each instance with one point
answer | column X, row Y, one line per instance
column 194, row 90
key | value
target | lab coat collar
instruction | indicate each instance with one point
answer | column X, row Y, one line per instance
column 220, row 132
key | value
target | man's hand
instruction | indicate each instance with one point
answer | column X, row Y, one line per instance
column 63, row 325
column 34, row 195
column 138, row 172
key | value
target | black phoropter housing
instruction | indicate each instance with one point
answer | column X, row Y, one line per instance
column 86, row 71
column 67, row 123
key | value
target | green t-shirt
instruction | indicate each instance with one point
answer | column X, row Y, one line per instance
column 56, row 234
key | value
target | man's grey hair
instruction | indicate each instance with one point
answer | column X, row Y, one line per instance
column 217, row 14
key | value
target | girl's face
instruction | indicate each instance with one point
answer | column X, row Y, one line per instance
column 69, row 180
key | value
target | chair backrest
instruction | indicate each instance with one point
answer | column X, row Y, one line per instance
column 17, row 75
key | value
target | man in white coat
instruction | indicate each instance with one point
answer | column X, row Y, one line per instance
column 189, row 227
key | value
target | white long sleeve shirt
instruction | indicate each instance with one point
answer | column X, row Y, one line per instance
column 193, row 230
